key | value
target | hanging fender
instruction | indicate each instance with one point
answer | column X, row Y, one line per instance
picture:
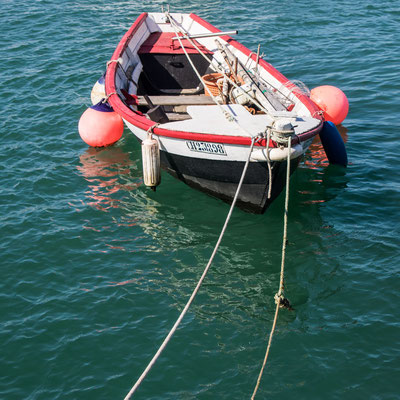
column 333, row 144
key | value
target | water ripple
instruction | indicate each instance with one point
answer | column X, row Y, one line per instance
column 96, row 268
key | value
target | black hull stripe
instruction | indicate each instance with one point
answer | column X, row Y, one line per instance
column 220, row 179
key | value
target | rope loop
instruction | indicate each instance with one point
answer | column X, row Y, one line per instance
column 105, row 100
column 282, row 302
column 318, row 112
column 259, row 137
column 118, row 60
column 150, row 131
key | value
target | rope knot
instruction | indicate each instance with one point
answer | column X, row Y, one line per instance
column 282, row 302
column 151, row 129
column 259, row 137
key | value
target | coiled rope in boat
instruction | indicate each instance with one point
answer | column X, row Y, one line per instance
column 185, row 309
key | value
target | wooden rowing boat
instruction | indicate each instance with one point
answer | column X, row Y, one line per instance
column 157, row 81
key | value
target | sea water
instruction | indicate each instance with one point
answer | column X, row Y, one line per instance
column 95, row 267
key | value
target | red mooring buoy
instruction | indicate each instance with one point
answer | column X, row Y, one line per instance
column 332, row 101
column 100, row 125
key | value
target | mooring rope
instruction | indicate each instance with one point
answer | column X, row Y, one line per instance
column 279, row 299
column 269, row 163
column 194, row 293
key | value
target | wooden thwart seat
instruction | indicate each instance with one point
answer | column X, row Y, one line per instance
column 186, row 100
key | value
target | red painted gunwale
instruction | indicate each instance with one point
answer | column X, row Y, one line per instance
column 143, row 123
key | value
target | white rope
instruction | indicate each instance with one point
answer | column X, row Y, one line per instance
column 248, row 58
column 117, row 60
column 279, row 296
column 185, row 309
column 269, row 163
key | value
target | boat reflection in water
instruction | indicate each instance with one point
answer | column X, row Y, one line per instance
column 321, row 181
column 108, row 171
column 317, row 157
column 114, row 180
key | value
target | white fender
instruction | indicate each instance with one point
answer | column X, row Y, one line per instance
column 151, row 162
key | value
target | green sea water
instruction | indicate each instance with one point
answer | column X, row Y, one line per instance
column 95, row 268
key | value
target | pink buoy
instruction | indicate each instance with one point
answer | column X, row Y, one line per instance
column 332, row 101
column 100, row 126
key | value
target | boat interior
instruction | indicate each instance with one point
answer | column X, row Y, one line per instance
column 161, row 80
column 168, row 81
column 168, row 84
